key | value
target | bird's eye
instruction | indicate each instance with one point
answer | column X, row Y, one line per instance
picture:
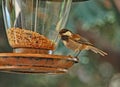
column 64, row 37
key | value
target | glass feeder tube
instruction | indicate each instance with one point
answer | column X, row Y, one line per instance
column 33, row 25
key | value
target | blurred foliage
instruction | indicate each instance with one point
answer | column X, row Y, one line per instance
column 96, row 20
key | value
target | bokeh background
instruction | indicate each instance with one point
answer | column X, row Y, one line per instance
column 96, row 20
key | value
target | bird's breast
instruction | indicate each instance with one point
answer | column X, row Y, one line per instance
column 72, row 45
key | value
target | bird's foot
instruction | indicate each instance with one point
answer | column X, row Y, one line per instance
column 77, row 59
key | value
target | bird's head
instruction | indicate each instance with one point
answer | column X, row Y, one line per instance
column 65, row 32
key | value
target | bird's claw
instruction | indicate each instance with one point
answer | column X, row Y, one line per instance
column 75, row 59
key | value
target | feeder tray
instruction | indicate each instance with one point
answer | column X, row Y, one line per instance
column 35, row 63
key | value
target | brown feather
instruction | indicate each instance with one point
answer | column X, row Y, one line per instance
column 79, row 39
column 96, row 50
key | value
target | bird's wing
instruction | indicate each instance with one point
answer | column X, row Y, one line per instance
column 79, row 39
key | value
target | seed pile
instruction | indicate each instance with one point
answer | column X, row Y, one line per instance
column 25, row 38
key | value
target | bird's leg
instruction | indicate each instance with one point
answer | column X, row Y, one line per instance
column 78, row 53
column 75, row 52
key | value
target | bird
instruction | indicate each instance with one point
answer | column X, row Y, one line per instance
column 77, row 43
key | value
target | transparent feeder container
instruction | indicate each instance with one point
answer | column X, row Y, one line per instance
column 32, row 28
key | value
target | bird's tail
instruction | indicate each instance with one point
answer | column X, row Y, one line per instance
column 96, row 50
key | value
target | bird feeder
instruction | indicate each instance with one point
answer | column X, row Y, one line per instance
column 32, row 28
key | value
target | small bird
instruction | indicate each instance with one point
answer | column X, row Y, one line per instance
column 77, row 43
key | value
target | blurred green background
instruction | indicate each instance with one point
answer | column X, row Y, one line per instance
column 96, row 20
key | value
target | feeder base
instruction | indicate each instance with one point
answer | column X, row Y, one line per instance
column 35, row 63
column 31, row 50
